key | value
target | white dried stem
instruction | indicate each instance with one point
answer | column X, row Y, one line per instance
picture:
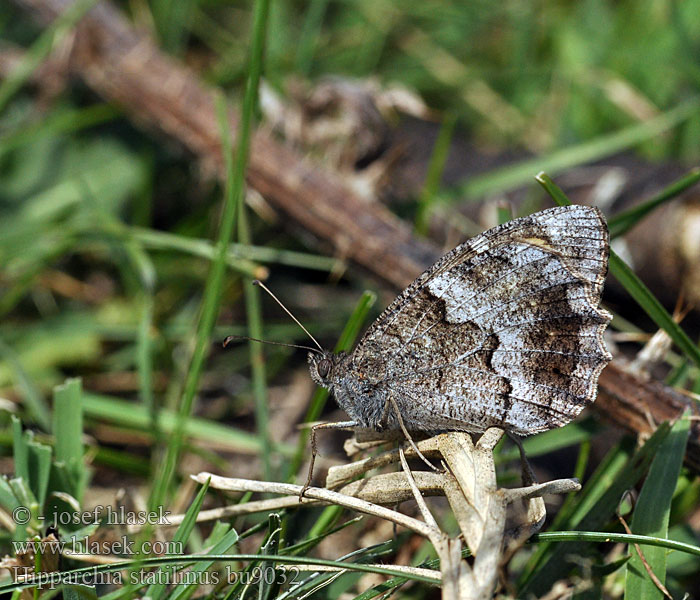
column 470, row 487
column 422, row 506
column 470, row 467
column 392, row 488
column 340, row 474
column 235, row 510
column 558, row 486
column 250, row 485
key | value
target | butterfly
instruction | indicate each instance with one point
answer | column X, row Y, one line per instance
column 506, row 331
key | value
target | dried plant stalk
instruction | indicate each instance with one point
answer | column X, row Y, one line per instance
column 469, row 484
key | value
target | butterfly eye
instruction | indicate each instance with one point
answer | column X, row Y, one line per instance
column 324, row 367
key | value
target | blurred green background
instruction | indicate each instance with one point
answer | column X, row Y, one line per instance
column 106, row 230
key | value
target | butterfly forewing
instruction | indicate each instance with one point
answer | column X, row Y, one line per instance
column 504, row 331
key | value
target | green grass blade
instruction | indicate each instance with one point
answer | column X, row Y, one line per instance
column 552, row 440
column 652, row 511
column 570, row 515
column 634, row 286
column 182, row 534
column 621, row 538
column 600, row 482
column 144, row 354
column 235, row 175
column 212, row 291
column 40, row 458
column 305, row 546
column 556, row 566
column 123, row 413
column 270, row 582
column 20, row 450
column 239, row 256
column 310, row 35
column 36, row 407
column 8, row 500
column 57, row 123
column 579, row 473
column 552, row 189
column 505, row 178
column 317, row 581
column 257, row 358
column 123, row 462
column 647, row 301
column 41, row 48
column 68, row 422
column 436, row 166
column 622, row 222
column 222, row 546
column 161, row 240
column 68, row 431
column 259, row 376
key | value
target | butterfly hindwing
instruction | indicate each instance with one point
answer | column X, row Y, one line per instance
column 505, row 330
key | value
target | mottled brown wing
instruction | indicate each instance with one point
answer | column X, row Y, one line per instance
column 505, row 330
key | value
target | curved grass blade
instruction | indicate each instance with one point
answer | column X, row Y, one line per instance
column 215, row 278
column 652, row 511
column 554, row 565
column 221, row 547
column 622, row 538
column 622, row 222
column 36, row 406
column 574, row 510
column 76, row 574
column 317, row 581
column 41, row 48
column 182, row 535
column 505, row 178
column 436, row 166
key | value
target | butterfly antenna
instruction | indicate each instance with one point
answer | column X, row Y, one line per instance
column 284, row 308
column 233, row 338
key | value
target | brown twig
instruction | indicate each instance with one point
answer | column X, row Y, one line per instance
column 637, row 404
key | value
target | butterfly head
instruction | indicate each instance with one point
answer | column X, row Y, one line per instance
column 322, row 366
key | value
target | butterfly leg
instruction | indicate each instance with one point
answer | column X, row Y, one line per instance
column 384, row 419
column 528, row 474
column 314, row 428
column 407, row 435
